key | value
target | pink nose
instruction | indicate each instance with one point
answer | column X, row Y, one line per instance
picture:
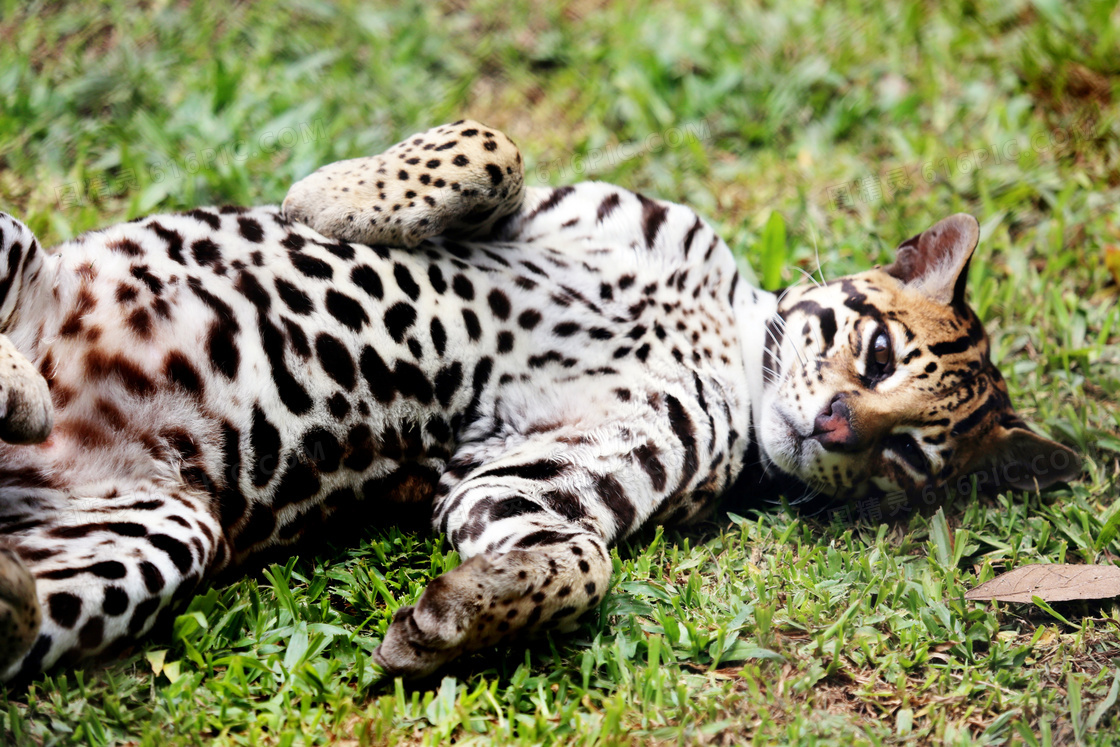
column 833, row 427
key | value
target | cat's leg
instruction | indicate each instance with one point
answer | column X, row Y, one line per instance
column 83, row 576
column 533, row 523
column 456, row 180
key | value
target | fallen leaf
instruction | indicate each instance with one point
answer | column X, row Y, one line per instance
column 1112, row 262
column 1051, row 582
column 156, row 659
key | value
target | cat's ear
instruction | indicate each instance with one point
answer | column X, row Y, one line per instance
column 1014, row 456
column 935, row 262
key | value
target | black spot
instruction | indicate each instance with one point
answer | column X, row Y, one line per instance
column 366, row 278
column 179, row 369
column 338, row 405
column 606, row 207
column 250, row 230
column 291, row 392
column 543, row 537
column 346, row 310
column 377, row 375
column 539, row 470
column 438, row 428
column 463, row 287
column 323, row 449
column 258, row 528
column 141, row 615
column 208, row 218
column 448, row 381
column 553, row 200
column 565, row 329
column 653, row 215
column 435, row 277
column 64, row 608
column 144, row 275
column 296, row 300
column 92, row 633
column 398, row 319
column 510, row 507
column 223, row 350
column 312, row 267
column 264, row 440
column 341, row 249
column 614, row 498
column 505, row 341
column 566, row 504
column 495, row 174
column 205, row 252
column 470, row 319
column 499, row 304
column 411, row 382
column 360, row 444
column 649, row 460
column 174, row 241
column 298, row 339
column 682, row 426
column 529, row 318
column 115, row 601
column 153, row 578
column 439, row 336
column 251, row 288
column 405, row 281
column 460, row 160
column 335, row 360
column 231, row 503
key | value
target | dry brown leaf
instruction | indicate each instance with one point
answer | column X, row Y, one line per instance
column 1051, row 582
column 1112, row 261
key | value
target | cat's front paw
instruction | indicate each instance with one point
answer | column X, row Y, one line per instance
column 20, row 615
column 492, row 598
column 26, row 411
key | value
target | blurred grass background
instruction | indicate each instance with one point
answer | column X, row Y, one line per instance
column 813, row 135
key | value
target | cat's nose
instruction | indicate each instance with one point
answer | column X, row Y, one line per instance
column 833, row 426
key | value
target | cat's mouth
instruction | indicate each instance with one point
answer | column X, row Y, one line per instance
column 792, row 449
column 784, row 443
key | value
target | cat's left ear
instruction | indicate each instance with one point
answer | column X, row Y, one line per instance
column 935, row 262
column 1015, row 456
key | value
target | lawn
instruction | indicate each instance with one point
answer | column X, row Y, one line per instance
column 816, row 136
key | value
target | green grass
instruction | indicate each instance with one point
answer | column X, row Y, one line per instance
column 767, row 628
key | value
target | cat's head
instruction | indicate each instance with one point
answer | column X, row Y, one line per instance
column 882, row 382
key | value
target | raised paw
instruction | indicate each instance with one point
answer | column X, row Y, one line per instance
column 491, row 598
column 458, row 180
column 26, row 411
column 20, row 615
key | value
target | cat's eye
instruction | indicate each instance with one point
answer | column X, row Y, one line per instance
column 881, row 349
column 880, row 356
